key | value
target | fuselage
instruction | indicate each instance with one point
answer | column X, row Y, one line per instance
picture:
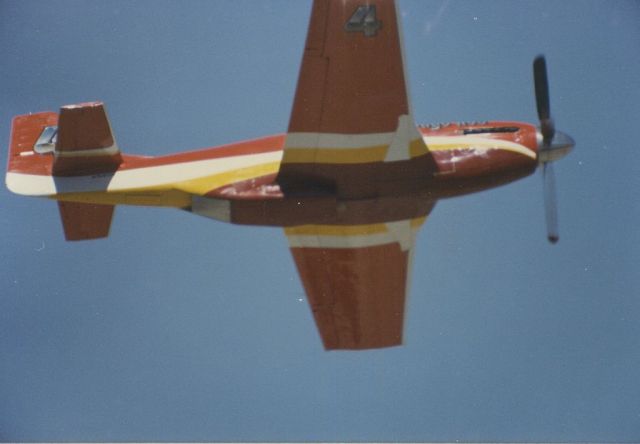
column 237, row 182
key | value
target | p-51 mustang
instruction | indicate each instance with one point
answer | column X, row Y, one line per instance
column 351, row 182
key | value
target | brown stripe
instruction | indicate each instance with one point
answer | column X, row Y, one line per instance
column 350, row 181
column 327, row 210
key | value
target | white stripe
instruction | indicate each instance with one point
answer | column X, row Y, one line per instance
column 478, row 143
column 398, row 142
column 350, row 241
column 218, row 209
column 399, row 149
column 39, row 185
column 399, row 232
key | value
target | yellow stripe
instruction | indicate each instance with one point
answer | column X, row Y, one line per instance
column 164, row 198
column 203, row 185
column 176, row 195
column 417, row 148
column 335, row 230
column 418, row 221
column 378, row 153
column 335, row 155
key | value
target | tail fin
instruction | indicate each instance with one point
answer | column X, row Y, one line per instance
column 85, row 144
column 76, row 142
column 82, row 221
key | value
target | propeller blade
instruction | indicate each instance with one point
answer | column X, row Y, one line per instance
column 541, row 87
column 542, row 98
column 550, row 202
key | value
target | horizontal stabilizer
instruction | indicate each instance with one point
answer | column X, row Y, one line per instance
column 26, row 131
column 83, row 221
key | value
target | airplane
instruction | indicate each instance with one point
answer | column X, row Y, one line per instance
column 351, row 182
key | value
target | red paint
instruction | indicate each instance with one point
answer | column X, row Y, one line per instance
column 356, row 295
column 82, row 221
column 83, row 129
column 27, row 128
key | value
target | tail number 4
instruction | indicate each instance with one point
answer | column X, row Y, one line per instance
column 364, row 20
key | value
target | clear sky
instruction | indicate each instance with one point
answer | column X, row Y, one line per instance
column 181, row 328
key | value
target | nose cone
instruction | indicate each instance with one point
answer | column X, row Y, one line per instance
column 560, row 146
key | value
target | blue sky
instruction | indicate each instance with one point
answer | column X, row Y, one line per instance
column 180, row 328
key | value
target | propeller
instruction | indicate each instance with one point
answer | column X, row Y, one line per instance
column 551, row 146
column 550, row 202
column 541, row 83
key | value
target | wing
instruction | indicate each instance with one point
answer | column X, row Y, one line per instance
column 356, row 278
column 351, row 134
column 351, row 112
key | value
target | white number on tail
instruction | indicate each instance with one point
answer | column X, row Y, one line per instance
column 364, row 20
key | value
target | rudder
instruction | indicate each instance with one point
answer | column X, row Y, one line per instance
column 83, row 221
column 85, row 145
column 85, row 142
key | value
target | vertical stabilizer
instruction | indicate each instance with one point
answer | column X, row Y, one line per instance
column 83, row 221
column 85, row 143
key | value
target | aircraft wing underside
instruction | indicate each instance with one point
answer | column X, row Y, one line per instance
column 351, row 132
column 356, row 278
